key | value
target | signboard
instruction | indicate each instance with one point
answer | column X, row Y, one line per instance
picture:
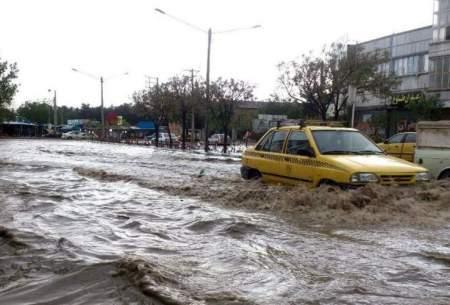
column 405, row 99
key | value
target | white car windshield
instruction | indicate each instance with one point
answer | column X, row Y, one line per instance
column 344, row 142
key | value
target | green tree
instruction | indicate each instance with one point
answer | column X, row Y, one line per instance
column 35, row 111
column 7, row 114
column 154, row 103
column 8, row 86
column 225, row 96
column 324, row 81
column 181, row 91
column 293, row 110
column 425, row 108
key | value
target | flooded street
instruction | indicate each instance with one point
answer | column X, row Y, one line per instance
column 93, row 223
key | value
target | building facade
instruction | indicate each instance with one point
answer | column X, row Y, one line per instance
column 420, row 58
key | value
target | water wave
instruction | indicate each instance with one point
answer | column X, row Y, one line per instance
column 421, row 204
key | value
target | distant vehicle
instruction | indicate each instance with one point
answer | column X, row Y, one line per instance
column 326, row 155
column 218, row 138
column 401, row 145
column 433, row 147
column 75, row 135
column 164, row 138
column 149, row 138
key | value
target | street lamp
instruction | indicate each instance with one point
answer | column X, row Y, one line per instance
column 101, row 92
column 49, row 107
column 209, row 33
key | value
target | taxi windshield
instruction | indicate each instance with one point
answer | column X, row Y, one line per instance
column 344, row 142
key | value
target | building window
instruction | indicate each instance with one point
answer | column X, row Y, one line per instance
column 440, row 73
column 411, row 65
column 447, row 33
column 384, row 68
column 441, row 34
column 435, row 34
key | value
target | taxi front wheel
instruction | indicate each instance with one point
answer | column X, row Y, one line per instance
column 249, row 173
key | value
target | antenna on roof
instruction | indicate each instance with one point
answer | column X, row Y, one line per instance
column 301, row 123
column 278, row 124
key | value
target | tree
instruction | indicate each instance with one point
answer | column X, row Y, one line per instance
column 8, row 87
column 225, row 95
column 154, row 103
column 7, row 114
column 293, row 110
column 182, row 93
column 305, row 82
column 324, row 81
column 425, row 108
column 35, row 111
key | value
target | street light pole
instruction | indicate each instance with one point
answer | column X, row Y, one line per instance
column 192, row 106
column 101, row 108
column 49, row 108
column 209, row 32
column 101, row 93
column 207, row 89
column 55, row 110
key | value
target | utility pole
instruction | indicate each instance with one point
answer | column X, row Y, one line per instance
column 160, row 112
column 192, row 106
column 55, row 110
column 102, row 111
column 49, row 108
column 209, row 32
column 207, row 89
column 101, row 93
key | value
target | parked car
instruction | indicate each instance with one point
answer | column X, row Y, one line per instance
column 164, row 138
column 149, row 138
column 326, row 155
column 433, row 147
column 75, row 134
column 218, row 138
column 401, row 145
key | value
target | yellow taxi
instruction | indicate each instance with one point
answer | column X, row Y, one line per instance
column 401, row 145
column 325, row 155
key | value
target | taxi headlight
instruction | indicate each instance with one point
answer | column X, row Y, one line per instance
column 423, row 177
column 364, row 178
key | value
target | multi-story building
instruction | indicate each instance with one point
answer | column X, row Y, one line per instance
column 420, row 58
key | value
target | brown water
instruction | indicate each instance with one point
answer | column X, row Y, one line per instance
column 89, row 223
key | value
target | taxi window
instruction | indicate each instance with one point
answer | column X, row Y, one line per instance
column 410, row 138
column 398, row 138
column 276, row 145
column 264, row 145
column 297, row 143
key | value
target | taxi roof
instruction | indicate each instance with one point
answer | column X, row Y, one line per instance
column 314, row 128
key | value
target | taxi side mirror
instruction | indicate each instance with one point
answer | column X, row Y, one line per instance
column 386, row 142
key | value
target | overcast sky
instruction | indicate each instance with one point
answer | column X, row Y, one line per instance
column 106, row 37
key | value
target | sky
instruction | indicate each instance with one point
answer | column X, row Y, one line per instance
column 47, row 38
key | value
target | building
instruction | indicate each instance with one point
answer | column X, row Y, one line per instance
column 266, row 121
column 20, row 129
column 420, row 58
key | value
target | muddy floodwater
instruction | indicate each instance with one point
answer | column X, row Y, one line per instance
column 93, row 223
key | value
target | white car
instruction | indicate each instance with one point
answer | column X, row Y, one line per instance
column 75, row 134
column 218, row 138
column 164, row 138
